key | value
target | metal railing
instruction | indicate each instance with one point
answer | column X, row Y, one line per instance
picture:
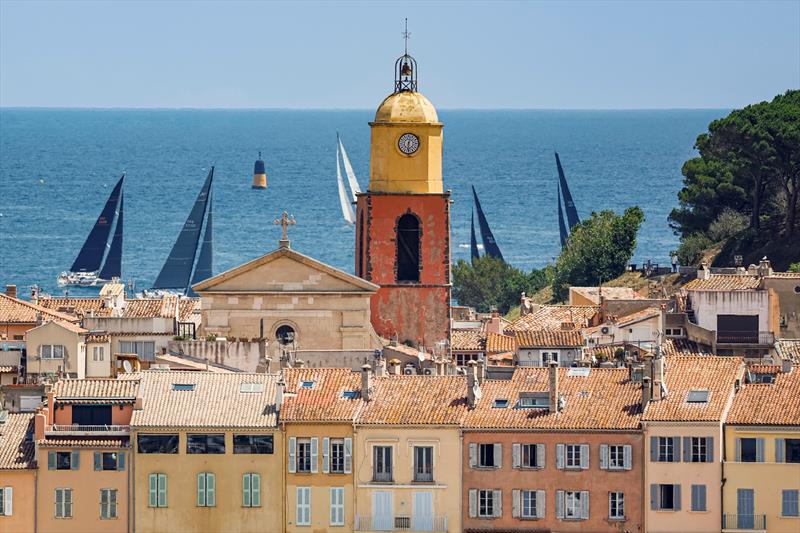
column 423, row 477
column 73, row 429
column 750, row 522
column 400, row 523
column 745, row 337
column 382, row 477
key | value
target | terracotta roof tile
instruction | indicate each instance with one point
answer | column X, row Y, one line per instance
column 94, row 337
column 467, row 340
column 792, row 275
column 323, row 402
column 551, row 317
column 764, row 369
column 16, row 311
column 716, row 374
column 789, row 349
column 216, row 401
column 416, row 400
column 497, row 342
column 112, row 389
column 609, row 293
column 610, row 350
column 93, row 442
column 768, row 404
column 531, row 339
column 79, row 307
column 16, row 452
column 724, row 282
column 671, row 347
column 638, row 316
column 8, row 370
column 605, row 399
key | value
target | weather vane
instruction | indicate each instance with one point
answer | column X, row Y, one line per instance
column 406, row 35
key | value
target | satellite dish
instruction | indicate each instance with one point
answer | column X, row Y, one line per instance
column 127, row 366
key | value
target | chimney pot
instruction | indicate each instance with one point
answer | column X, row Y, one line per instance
column 280, row 386
column 11, row 290
column 553, row 371
column 366, row 382
column 645, row 392
column 472, row 383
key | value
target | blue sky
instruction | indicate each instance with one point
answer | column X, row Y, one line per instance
column 556, row 55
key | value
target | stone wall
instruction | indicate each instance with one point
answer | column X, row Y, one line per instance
column 245, row 356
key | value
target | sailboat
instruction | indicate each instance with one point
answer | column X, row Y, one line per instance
column 569, row 205
column 489, row 244
column 184, row 267
column 345, row 200
column 473, row 242
column 97, row 262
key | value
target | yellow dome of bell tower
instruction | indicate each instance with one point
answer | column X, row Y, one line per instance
column 406, row 144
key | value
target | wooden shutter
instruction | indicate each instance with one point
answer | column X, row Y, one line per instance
column 121, row 461
column 676, row 497
column 604, row 457
column 473, row 455
column 98, row 461
column 75, row 461
column 560, row 456
column 584, row 456
column 162, row 490
column 314, row 454
column 348, row 455
column 540, row 456
column 246, row 490
column 687, row 449
column 676, row 449
column 759, row 450
column 473, row 502
column 201, row 490
column 497, row 503
column 516, row 460
column 709, row 449
column 211, row 490
column 627, row 457
column 8, row 501
column 51, row 460
column 498, row 455
column 654, row 497
column 104, row 504
column 540, row 503
column 515, row 502
column 292, row 455
column 585, row 504
column 255, row 490
column 59, row 503
column 654, row 449
column 738, row 450
column 153, row 500
column 326, row 450
column 780, row 453
column 560, row 504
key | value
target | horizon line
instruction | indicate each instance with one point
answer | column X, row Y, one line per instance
column 289, row 108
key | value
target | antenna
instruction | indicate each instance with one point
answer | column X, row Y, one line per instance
column 406, row 34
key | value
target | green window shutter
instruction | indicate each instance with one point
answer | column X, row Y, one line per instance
column 201, row 490
column 98, row 461
column 211, row 490
column 162, row 490
column 256, row 490
column 75, row 461
column 153, row 500
column 121, row 461
column 246, row 490
column 51, row 460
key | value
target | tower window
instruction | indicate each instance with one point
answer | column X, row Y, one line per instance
column 408, row 248
column 285, row 335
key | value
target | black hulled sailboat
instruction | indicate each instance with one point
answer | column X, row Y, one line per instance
column 98, row 262
column 569, row 205
column 490, row 247
column 180, row 270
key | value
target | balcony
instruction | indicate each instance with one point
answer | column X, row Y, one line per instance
column 111, row 430
column 401, row 523
column 746, row 337
column 744, row 522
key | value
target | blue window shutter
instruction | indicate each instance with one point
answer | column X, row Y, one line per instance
column 687, row 449
column 211, row 490
column 246, row 490
column 709, row 449
column 676, row 454
column 162, row 490
column 201, row 490
column 760, row 450
column 98, row 461
column 75, row 461
column 676, row 495
column 653, row 449
column 51, row 460
column 255, row 488
column 654, row 497
column 153, row 490
column 121, row 461
column 738, row 450
column 780, row 446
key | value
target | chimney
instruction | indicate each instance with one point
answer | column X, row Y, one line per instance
column 786, row 366
column 11, row 291
column 495, row 324
column 704, row 272
column 553, row 386
column 39, row 423
column 299, row 363
column 381, row 370
column 658, row 377
column 366, row 382
column 138, row 403
column 472, row 384
column 645, row 392
column 764, row 267
column 395, row 367
column 279, row 388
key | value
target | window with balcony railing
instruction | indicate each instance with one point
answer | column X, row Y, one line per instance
column 382, row 463
column 423, row 463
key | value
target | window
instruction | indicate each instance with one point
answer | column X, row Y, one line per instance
column 534, row 400
column 157, row 490
column 206, row 490
column 52, row 351
column 789, row 503
column 109, row 461
column 673, row 332
column 307, row 384
column 616, row 505
column 699, row 498
column 408, row 248
column 665, row 497
column 382, row 463
column 303, row 516
column 92, row 415
column 253, row 444
column 530, row 456
column 63, row 503
column 423, row 463
column 500, row 403
column 63, row 460
column 666, row 449
column 251, row 387
column 336, row 455
column 574, row 502
column 616, row 458
column 792, row 450
column 167, row 443
column 251, row 490
column 748, row 450
column 697, row 396
column 547, row 357
column 98, row 353
column 6, row 501
column 699, row 449
column 486, row 455
column 304, row 455
column 337, row 506
column 349, row 394
column 463, row 358
column 205, row 443
column 183, row 387
column 108, row 504
column 486, row 503
column 528, row 504
column 144, row 350
column 285, row 335
column 573, row 457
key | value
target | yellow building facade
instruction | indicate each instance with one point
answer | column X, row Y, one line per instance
column 17, row 474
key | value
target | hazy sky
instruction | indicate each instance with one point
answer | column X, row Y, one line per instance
column 341, row 55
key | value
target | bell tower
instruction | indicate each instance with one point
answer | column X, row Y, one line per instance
column 403, row 219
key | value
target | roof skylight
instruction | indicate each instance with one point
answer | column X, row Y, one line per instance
column 350, row 394
column 307, row 385
column 697, row 396
column 500, row 403
column 251, row 387
column 183, row 386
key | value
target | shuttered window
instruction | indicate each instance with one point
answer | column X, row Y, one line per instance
column 157, row 490
column 63, row 503
column 303, row 511
column 337, row 506
column 699, row 498
column 251, row 490
column 206, row 490
column 789, row 503
column 108, row 504
column 6, row 501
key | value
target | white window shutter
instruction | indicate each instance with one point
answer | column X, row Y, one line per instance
column 516, row 461
column 498, row 455
column 201, row 490
column 473, row 455
column 584, row 456
column 604, row 457
column 255, row 485
column 515, row 502
column 585, row 504
column 292, row 454
column 348, row 455
column 560, row 456
column 540, row 503
column 473, row 502
column 760, row 450
column 560, row 504
column 153, row 490
column 8, row 501
column 211, row 490
column 314, row 454
column 540, row 456
column 738, row 450
column 162, row 490
column 326, row 450
column 246, row 490
column 627, row 454
column 780, row 446
column 497, row 500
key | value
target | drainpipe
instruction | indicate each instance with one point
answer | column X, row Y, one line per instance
column 131, row 491
column 36, row 499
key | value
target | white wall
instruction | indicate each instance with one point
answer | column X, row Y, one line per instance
column 708, row 304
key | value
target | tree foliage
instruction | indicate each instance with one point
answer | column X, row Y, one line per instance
column 599, row 249
column 489, row 282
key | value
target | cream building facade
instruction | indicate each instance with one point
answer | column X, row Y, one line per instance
column 57, row 347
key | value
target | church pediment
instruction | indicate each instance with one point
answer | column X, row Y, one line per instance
column 285, row 270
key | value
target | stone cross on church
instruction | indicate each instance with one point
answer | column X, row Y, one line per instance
column 285, row 222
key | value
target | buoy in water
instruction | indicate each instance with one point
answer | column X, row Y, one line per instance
column 259, row 174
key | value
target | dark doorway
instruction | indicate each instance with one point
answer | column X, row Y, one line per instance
column 737, row 328
column 91, row 415
column 408, row 248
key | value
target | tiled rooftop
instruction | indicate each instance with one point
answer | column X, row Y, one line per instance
column 724, row 282
column 789, row 349
column 609, row 293
column 715, row 374
column 605, row 399
column 546, row 339
column 16, row 452
column 774, row 404
column 16, row 311
column 463, row 340
column 96, row 388
column 79, row 307
column 672, row 347
column 497, row 342
column 416, row 400
column 551, row 317
column 76, row 442
column 638, row 316
column 323, row 401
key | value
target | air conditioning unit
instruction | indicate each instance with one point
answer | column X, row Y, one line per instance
column 410, row 371
column 428, row 371
column 604, row 330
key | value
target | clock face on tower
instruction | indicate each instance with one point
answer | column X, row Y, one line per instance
column 408, row 143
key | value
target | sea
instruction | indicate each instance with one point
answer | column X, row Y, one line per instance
column 58, row 166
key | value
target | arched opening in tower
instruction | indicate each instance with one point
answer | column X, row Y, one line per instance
column 408, row 248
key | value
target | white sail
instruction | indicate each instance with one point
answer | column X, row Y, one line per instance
column 347, row 209
column 351, row 176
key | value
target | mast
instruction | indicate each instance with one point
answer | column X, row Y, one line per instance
column 203, row 268
column 91, row 255
column 177, row 268
column 351, row 176
column 112, row 267
column 562, row 228
column 473, row 242
column 569, row 205
column 489, row 245
column 347, row 209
